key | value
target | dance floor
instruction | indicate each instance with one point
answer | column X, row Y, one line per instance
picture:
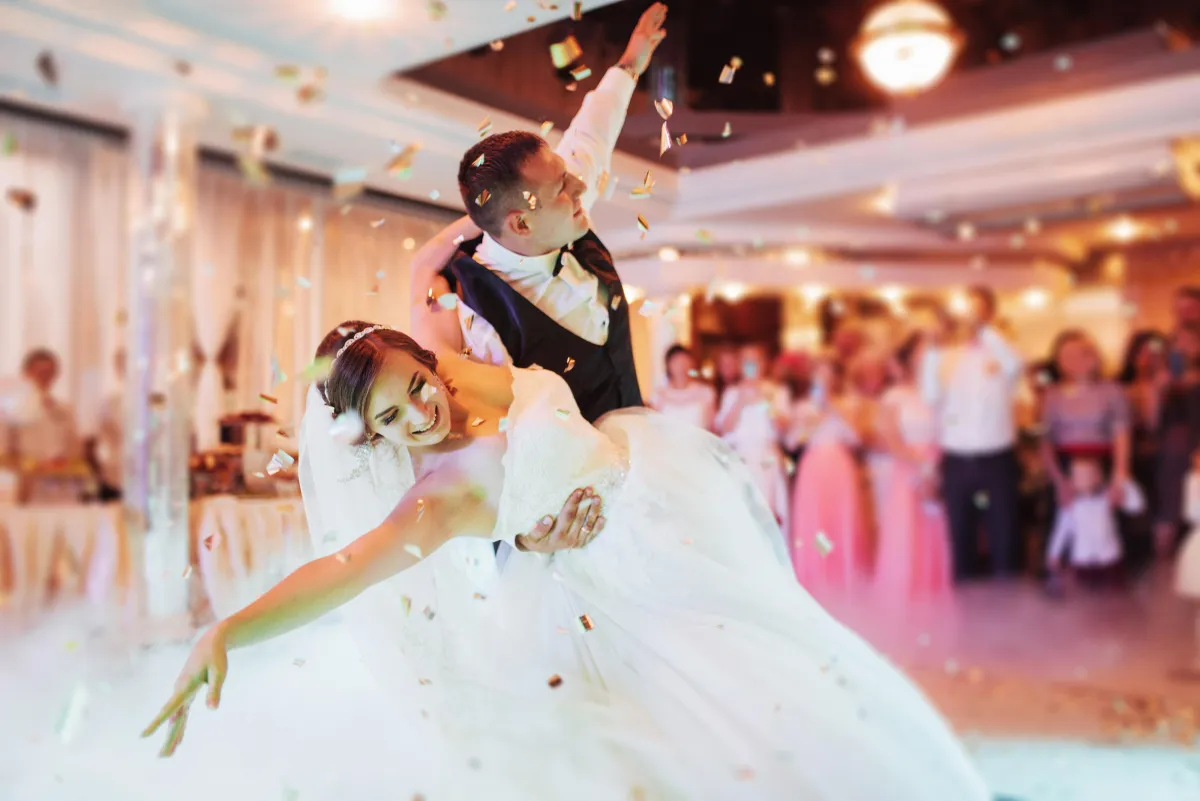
column 1082, row 699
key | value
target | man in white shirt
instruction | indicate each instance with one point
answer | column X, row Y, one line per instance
column 972, row 387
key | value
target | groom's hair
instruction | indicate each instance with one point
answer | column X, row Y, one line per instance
column 504, row 154
column 351, row 375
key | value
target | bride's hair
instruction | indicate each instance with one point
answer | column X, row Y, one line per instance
column 354, row 371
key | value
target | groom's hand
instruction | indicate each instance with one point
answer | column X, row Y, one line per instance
column 576, row 525
column 646, row 37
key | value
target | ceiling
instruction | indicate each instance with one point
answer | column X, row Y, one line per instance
column 1034, row 160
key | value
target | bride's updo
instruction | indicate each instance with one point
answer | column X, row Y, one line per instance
column 347, row 386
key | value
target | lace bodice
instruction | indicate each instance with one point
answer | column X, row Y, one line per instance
column 552, row 451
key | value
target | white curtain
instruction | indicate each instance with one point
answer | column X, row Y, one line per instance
column 260, row 274
column 62, row 264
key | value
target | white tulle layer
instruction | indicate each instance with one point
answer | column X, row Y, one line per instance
column 704, row 674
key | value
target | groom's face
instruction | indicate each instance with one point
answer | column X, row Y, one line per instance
column 552, row 215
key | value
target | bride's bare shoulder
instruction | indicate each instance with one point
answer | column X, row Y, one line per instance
column 490, row 384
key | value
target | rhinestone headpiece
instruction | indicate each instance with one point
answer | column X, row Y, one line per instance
column 355, row 338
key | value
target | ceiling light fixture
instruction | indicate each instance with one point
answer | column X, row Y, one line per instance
column 907, row 46
column 668, row 254
column 1123, row 229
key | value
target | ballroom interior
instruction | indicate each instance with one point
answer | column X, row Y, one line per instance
column 843, row 176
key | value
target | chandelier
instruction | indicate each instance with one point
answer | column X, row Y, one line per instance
column 907, row 46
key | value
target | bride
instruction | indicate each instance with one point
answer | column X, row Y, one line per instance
column 674, row 657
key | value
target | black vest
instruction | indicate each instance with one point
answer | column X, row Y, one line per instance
column 602, row 377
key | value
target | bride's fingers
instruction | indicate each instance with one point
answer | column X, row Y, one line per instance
column 175, row 733
column 596, row 530
column 181, row 698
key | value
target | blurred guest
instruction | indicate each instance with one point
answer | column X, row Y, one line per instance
column 1085, row 529
column 1179, row 431
column 684, row 395
column 43, row 434
column 868, row 373
column 728, row 370
column 105, row 450
column 751, row 416
column 1084, row 416
column 1143, row 372
column 1187, row 566
column 971, row 387
column 913, row 554
column 830, row 548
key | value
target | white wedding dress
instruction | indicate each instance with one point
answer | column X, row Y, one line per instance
column 673, row 659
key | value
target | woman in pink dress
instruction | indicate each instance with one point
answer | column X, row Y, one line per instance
column 913, row 554
column 684, row 396
column 829, row 538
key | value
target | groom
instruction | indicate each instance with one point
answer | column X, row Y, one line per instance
column 539, row 287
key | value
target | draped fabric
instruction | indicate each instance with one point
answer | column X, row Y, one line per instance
column 273, row 270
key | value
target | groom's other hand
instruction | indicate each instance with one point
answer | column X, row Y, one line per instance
column 646, row 37
column 576, row 525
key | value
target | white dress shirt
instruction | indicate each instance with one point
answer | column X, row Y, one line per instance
column 1086, row 530
column 574, row 298
column 972, row 389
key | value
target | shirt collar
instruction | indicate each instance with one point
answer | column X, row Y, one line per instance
column 502, row 260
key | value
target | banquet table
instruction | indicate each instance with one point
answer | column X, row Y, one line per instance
column 239, row 547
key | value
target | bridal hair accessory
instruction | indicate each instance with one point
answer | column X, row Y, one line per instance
column 355, row 338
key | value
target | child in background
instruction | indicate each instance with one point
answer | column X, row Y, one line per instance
column 1187, row 565
column 1085, row 531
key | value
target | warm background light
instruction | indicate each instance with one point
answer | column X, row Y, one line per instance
column 907, row 46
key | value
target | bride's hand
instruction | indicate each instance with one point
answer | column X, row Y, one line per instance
column 207, row 664
column 577, row 524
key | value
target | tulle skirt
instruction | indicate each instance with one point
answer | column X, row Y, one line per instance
column 912, row 561
column 674, row 659
column 830, row 542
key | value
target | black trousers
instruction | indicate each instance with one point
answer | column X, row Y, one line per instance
column 981, row 489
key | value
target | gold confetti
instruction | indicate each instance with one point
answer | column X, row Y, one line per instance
column 727, row 131
column 586, row 622
column 643, row 225
column 581, row 73
column 280, row 460
column 555, row 681
column 496, row 45
column 479, row 161
column 639, row 193
column 665, row 108
column 727, row 73
column 704, row 235
column 485, row 127
column 547, row 127
column 477, row 422
column 824, row 545
column 664, row 141
column 47, row 68
column 437, row 10
column 401, row 164
column 769, row 78
column 424, row 682
column 577, row 10
column 825, row 75
column 22, row 199
column 615, row 303
column 570, row 365
column 483, row 198
column 562, row 414
column 267, row 398
column 681, row 140
column 565, row 53
column 414, row 550
column 287, row 72
column 572, row 86
column 406, row 602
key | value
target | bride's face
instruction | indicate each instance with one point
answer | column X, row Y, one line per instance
column 409, row 404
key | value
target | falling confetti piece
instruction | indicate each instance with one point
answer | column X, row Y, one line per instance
column 348, row 183
column 379, row 222
column 824, row 546
column 182, row 68
column 496, row 45
column 485, row 127
column 736, row 62
column 615, row 303
column 572, row 86
column 425, row 682
column 769, row 78
column 277, row 374
column 47, row 68
column 555, row 681
column 510, row 5
column 639, row 193
column 727, row 131
column 72, row 715
column 586, row 623
column 279, row 461
column 287, row 72
column 429, row 613
column 565, row 53
column 581, row 73
column 437, row 10
column 448, row 301
column 22, row 199
column 745, row 774
column 643, row 225
column 665, row 108
column 825, row 75
column 664, row 141
column 415, row 550
column 400, row 165
column 547, row 127
column 570, row 365
column 303, row 282
column 704, row 235
column 727, row 73
column 187, row 572
column 211, row 541
column 479, row 161
column 681, row 140
column 503, row 424
column 477, row 422
column 562, row 414
column 483, row 198
column 267, row 398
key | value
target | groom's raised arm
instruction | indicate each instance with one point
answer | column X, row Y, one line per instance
column 588, row 143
